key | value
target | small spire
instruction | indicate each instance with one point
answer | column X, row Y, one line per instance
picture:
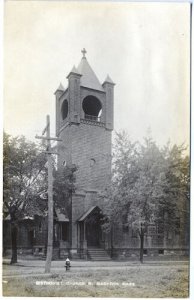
column 60, row 88
column 109, row 80
column 84, row 52
column 74, row 71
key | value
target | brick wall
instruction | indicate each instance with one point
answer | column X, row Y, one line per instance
column 89, row 148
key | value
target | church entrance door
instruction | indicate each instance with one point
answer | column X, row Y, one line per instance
column 93, row 232
column 90, row 227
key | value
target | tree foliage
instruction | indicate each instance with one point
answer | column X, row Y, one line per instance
column 63, row 187
column 25, row 183
column 150, row 185
column 24, row 175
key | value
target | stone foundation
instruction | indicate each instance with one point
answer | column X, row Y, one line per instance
column 159, row 253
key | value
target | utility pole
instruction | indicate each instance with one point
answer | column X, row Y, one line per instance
column 50, row 192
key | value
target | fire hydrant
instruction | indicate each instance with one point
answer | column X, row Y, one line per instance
column 67, row 264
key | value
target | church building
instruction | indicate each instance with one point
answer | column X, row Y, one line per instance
column 84, row 124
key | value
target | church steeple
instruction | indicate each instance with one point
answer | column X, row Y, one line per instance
column 89, row 78
column 85, row 99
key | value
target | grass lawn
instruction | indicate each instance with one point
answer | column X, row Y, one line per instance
column 129, row 281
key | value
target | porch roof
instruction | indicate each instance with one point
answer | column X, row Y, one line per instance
column 87, row 213
column 8, row 218
column 61, row 216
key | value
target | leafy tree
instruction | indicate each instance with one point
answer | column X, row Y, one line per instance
column 24, row 174
column 174, row 202
column 25, row 183
column 63, row 187
column 149, row 186
column 116, row 197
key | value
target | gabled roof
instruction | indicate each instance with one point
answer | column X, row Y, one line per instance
column 8, row 218
column 89, row 78
column 87, row 213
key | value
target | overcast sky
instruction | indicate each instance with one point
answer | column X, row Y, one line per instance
column 144, row 47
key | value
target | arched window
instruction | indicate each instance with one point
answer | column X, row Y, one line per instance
column 92, row 108
column 64, row 109
column 40, row 226
column 92, row 162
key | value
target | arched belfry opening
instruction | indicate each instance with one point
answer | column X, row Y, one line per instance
column 92, row 108
column 64, row 109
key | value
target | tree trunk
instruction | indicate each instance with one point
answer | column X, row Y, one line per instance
column 46, row 237
column 141, row 246
column 14, row 233
column 111, row 241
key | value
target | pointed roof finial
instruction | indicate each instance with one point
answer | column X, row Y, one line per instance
column 109, row 80
column 84, row 52
column 60, row 89
column 74, row 71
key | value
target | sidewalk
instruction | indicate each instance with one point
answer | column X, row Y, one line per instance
column 36, row 267
column 89, row 263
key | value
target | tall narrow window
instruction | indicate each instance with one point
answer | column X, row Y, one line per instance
column 92, row 162
column 64, row 109
column 40, row 226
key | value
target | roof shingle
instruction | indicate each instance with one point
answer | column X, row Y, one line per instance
column 89, row 78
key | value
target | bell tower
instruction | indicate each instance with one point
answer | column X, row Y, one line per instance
column 84, row 122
